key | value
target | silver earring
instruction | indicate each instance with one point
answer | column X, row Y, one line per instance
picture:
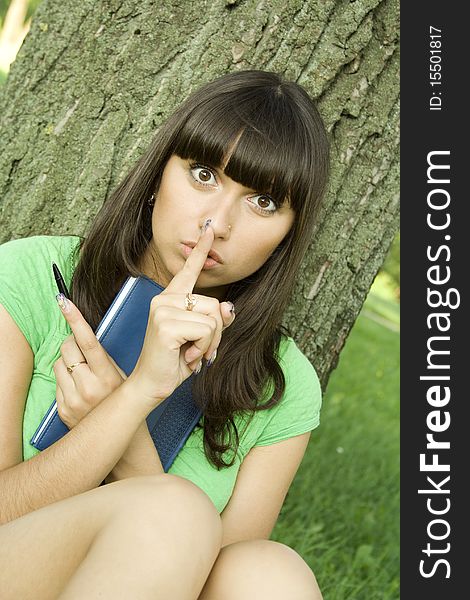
column 151, row 200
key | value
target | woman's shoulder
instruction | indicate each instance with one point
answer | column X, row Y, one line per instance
column 37, row 247
column 30, row 259
column 298, row 410
column 297, row 368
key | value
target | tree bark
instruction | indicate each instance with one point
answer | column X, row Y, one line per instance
column 94, row 80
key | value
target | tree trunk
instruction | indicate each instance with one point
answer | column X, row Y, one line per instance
column 93, row 81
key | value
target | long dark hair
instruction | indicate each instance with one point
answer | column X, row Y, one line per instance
column 276, row 142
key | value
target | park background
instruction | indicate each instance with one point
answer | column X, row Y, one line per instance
column 342, row 511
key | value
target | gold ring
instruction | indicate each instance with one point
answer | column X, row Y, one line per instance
column 72, row 367
column 189, row 301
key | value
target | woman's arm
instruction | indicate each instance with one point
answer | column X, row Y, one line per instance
column 140, row 458
column 262, row 483
column 16, row 369
column 76, row 463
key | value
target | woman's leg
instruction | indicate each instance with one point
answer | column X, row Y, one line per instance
column 260, row 570
column 147, row 537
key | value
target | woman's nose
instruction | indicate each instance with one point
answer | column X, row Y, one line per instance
column 222, row 229
column 223, row 220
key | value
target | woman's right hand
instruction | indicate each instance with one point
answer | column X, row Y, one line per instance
column 177, row 339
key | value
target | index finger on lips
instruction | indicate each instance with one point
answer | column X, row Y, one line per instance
column 85, row 337
column 185, row 280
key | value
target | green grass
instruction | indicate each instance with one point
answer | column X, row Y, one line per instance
column 342, row 511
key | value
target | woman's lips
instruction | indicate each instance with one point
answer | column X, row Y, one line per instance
column 213, row 258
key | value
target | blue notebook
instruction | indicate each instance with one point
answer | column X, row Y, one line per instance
column 121, row 332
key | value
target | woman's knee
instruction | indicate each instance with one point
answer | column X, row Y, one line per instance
column 298, row 572
column 262, row 567
column 172, row 503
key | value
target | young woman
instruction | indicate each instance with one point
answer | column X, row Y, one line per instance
column 220, row 212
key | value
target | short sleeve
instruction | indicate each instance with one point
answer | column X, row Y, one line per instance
column 299, row 408
column 27, row 286
column 17, row 275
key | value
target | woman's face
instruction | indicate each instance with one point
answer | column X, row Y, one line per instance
column 247, row 225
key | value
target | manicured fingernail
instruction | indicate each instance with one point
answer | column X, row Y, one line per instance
column 198, row 368
column 207, row 222
column 232, row 307
column 210, row 362
column 63, row 302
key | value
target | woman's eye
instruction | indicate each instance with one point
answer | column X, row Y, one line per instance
column 264, row 203
column 203, row 175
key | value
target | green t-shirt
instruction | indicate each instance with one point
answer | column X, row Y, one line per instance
column 28, row 290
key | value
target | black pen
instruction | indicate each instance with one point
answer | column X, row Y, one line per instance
column 60, row 281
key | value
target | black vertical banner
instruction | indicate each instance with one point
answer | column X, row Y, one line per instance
column 435, row 428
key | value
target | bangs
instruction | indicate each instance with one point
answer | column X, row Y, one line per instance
column 257, row 140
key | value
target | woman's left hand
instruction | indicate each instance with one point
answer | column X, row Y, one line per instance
column 94, row 377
